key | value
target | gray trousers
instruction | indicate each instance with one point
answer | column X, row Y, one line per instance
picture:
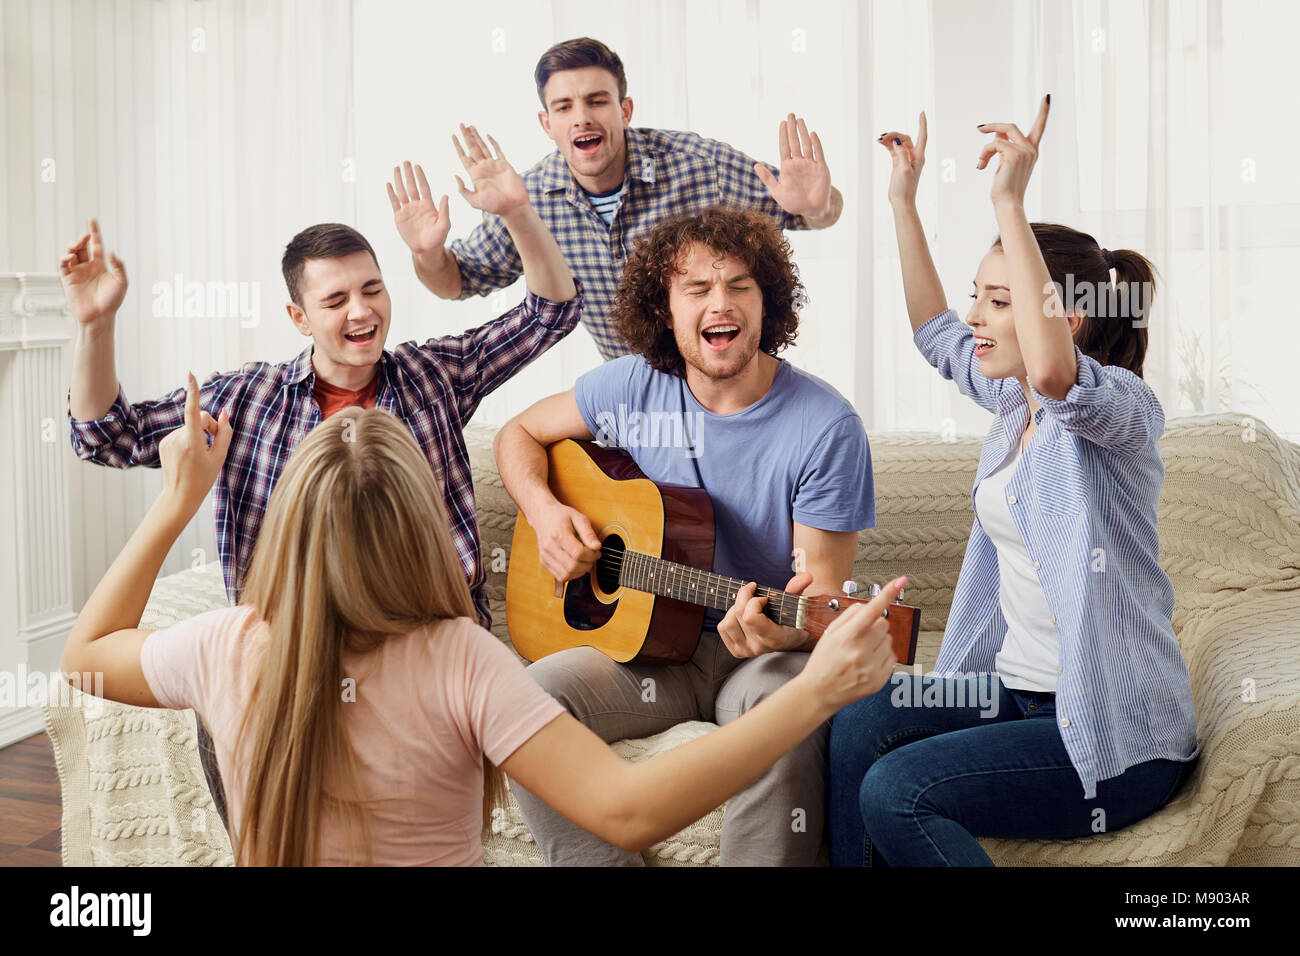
column 777, row 821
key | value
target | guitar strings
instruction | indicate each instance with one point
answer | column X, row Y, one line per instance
column 615, row 561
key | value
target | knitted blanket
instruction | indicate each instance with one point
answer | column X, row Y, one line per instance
column 133, row 790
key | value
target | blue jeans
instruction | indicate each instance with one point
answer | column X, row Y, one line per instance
column 914, row 782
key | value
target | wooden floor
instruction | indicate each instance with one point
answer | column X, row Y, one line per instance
column 30, row 804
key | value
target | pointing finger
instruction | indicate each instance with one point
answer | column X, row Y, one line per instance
column 1040, row 122
column 887, row 596
column 191, row 401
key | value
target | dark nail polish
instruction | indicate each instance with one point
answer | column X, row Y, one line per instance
column 1049, row 99
column 897, row 141
column 981, row 125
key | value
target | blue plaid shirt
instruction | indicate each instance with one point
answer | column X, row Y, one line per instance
column 434, row 388
column 668, row 173
column 1084, row 498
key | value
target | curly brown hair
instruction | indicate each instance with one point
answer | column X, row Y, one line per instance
column 641, row 311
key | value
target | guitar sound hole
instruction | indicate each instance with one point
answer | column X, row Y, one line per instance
column 609, row 566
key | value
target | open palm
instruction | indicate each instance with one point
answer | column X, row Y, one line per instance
column 94, row 284
column 422, row 225
column 498, row 189
column 804, row 186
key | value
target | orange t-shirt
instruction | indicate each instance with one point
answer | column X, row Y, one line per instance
column 331, row 398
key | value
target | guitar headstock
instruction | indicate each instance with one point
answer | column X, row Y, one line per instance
column 822, row 610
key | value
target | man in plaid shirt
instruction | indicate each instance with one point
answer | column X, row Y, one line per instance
column 609, row 184
column 340, row 301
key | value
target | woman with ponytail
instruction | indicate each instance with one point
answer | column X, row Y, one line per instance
column 1060, row 705
column 359, row 712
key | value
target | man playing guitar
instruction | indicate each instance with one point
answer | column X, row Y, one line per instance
column 707, row 303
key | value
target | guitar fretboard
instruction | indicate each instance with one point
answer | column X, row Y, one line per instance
column 645, row 572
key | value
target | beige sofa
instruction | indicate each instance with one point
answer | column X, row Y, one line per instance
column 133, row 792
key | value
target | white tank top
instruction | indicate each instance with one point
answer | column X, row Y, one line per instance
column 1030, row 655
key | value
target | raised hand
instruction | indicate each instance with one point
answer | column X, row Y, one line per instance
column 908, row 158
column 93, row 284
column 422, row 225
column 497, row 187
column 190, row 465
column 1019, row 152
column 804, row 187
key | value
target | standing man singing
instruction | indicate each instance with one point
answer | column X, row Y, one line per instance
column 608, row 184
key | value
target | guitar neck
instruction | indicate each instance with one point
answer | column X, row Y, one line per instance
column 644, row 572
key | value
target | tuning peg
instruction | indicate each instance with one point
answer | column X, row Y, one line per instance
column 874, row 591
column 850, row 588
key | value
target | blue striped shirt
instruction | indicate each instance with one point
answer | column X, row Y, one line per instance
column 606, row 204
column 1084, row 498
column 669, row 173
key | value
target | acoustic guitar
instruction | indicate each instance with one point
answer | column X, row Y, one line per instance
column 644, row 600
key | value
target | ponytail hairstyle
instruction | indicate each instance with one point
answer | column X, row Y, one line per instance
column 355, row 548
column 1114, row 327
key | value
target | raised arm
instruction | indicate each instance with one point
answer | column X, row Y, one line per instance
column 106, row 638
column 921, row 285
column 634, row 806
column 95, row 285
column 498, row 191
column 1044, row 334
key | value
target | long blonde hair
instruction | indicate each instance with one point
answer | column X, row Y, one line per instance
column 354, row 548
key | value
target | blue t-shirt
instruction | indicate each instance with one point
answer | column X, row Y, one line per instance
column 799, row 453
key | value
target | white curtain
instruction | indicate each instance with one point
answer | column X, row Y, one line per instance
column 1168, row 135
column 202, row 135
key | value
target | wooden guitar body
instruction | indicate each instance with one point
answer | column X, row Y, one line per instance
column 645, row 599
column 673, row 521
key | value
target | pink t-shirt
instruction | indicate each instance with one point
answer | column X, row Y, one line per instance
column 427, row 706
